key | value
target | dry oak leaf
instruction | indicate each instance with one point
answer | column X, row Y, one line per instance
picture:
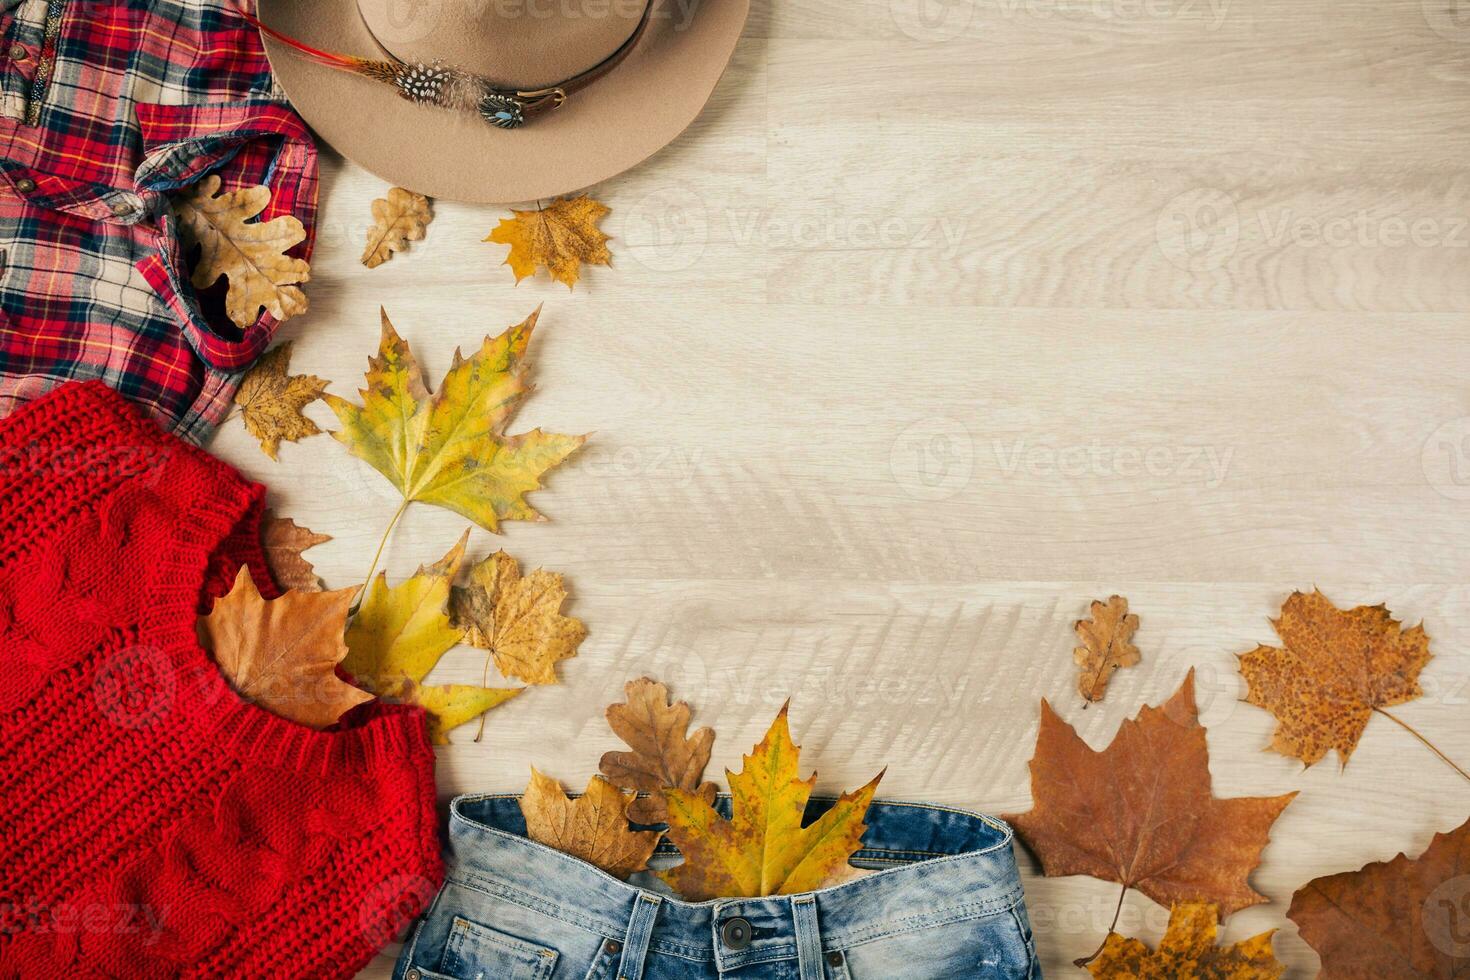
column 398, row 636
column 450, row 448
column 1105, row 646
column 271, row 400
column 518, row 619
column 1141, row 812
column 560, row 237
column 1403, row 918
column 282, row 654
column 664, row 754
column 1188, row 950
column 763, row 849
column 283, row 541
column 251, row 254
column 398, row 219
column 593, row 827
column 1336, row 669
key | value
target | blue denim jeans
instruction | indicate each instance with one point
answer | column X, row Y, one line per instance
column 944, row 903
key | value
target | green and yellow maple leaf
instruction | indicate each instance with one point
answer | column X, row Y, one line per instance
column 398, row 636
column 449, row 448
column 763, row 849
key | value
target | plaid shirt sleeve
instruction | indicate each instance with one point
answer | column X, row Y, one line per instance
column 106, row 106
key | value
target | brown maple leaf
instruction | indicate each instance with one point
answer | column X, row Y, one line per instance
column 664, row 754
column 1335, row 670
column 271, row 401
column 250, row 254
column 398, row 219
column 1141, row 812
column 283, row 541
column 282, row 654
column 518, row 619
column 593, row 827
column 559, row 237
column 1105, row 646
column 1401, row 918
column 1188, row 950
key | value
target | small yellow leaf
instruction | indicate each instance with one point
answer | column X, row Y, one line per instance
column 1188, row 950
column 763, row 849
column 1105, row 646
column 450, row 448
column 400, row 633
column 398, row 219
column 517, row 619
column 283, row 541
column 282, row 654
column 593, row 827
column 559, row 237
column 251, row 254
column 271, row 401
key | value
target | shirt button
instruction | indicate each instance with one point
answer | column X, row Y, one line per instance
column 122, row 208
column 612, row 947
column 18, row 52
column 25, row 185
column 736, row 934
column 834, row 959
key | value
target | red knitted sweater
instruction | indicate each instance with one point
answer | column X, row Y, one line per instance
column 153, row 824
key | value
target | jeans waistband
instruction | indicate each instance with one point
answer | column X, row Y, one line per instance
column 931, row 865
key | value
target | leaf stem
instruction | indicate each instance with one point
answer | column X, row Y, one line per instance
column 1428, row 744
column 1116, row 913
column 357, row 599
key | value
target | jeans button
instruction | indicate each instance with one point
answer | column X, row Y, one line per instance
column 413, row 974
column 612, row 947
column 834, row 959
column 736, row 934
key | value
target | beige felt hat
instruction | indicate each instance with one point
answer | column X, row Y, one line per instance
column 610, row 119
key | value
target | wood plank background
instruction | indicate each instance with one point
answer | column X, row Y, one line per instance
column 947, row 317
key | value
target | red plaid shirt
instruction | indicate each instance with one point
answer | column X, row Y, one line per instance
column 105, row 107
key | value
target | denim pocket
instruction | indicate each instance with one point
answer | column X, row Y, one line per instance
column 476, row 952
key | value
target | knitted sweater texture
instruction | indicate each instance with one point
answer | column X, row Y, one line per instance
column 152, row 823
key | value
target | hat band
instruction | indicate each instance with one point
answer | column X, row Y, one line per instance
column 445, row 87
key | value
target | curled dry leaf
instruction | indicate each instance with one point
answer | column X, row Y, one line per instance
column 271, row 400
column 398, row 219
column 450, row 448
column 1142, row 812
column 1334, row 671
column 559, row 237
column 1105, row 646
column 664, row 756
column 1399, row 918
column 518, row 619
column 398, row 636
column 282, row 654
column 283, row 541
column 1188, row 950
column 593, row 827
column 763, row 849
column 250, row 254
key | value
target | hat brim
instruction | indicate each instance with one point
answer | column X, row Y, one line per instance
column 611, row 126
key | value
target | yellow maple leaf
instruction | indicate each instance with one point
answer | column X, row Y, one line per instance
column 398, row 219
column 1188, row 950
column 398, row 636
column 449, row 448
column 250, row 254
column 593, row 827
column 271, row 400
column 282, row 654
column 763, row 849
column 518, row 619
column 559, row 237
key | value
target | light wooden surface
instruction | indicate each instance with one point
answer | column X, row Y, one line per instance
column 943, row 320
